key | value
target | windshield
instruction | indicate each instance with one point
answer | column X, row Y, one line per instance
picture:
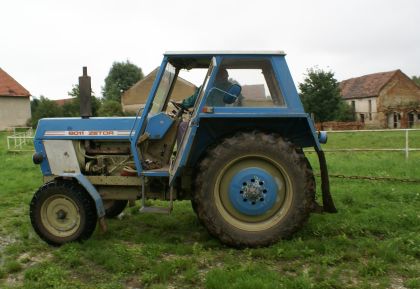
column 163, row 89
column 204, row 86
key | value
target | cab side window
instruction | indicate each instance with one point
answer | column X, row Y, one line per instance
column 259, row 87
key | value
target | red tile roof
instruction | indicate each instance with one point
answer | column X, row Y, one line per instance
column 10, row 87
column 366, row 86
column 61, row 102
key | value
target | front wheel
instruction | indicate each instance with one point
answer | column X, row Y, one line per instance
column 253, row 189
column 62, row 212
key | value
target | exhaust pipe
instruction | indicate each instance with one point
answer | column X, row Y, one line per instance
column 85, row 94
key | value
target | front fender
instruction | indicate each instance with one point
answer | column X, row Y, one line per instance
column 85, row 183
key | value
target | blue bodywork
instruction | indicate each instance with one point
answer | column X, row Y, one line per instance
column 158, row 125
column 206, row 127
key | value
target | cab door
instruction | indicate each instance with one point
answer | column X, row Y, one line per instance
column 183, row 150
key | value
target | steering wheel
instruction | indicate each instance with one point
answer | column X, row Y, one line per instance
column 177, row 105
column 180, row 109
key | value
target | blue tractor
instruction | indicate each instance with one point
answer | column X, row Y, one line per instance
column 237, row 154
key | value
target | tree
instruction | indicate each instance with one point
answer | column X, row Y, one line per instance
column 320, row 95
column 42, row 108
column 121, row 77
column 110, row 108
column 72, row 108
column 345, row 112
column 416, row 79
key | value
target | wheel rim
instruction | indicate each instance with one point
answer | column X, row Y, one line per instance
column 253, row 192
column 60, row 216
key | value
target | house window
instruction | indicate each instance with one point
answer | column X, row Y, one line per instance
column 411, row 119
column 353, row 109
column 394, row 120
column 397, row 119
column 370, row 109
column 362, row 118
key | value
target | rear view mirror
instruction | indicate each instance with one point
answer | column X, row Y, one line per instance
column 232, row 94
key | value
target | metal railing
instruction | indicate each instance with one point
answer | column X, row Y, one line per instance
column 405, row 149
column 21, row 137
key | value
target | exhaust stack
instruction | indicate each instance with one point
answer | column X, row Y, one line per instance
column 85, row 94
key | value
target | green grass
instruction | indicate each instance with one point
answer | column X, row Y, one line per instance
column 373, row 242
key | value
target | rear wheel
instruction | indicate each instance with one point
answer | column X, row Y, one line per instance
column 253, row 189
column 61, row 212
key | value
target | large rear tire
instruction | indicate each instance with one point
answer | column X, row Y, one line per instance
column 62, row 212
column 253, row 189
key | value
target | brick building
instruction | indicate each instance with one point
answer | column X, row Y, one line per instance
column 383, row 100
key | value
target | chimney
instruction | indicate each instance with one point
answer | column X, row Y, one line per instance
column 85, row 94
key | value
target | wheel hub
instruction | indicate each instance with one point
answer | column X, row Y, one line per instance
column 61, row 215
column 253, row 191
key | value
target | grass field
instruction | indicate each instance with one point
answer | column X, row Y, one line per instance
column 373, row 242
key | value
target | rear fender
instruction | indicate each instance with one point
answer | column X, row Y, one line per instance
column 298, row 129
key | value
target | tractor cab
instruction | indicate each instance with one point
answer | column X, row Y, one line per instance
column 248, row 87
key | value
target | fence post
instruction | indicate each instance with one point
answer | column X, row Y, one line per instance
column 406, row 144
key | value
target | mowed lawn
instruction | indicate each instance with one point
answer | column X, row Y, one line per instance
column 372, row 242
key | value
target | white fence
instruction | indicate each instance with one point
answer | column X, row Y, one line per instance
column 24, row 135
column 405, row 149
column 21, row 137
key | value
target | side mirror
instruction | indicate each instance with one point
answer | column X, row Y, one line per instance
column 232, row 94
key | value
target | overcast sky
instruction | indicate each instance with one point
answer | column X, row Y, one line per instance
column 45, row 43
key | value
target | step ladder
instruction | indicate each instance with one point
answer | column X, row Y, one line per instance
column 156, row 210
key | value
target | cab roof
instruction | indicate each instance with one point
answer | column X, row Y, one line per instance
column 201, row 59
column 225, row 52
